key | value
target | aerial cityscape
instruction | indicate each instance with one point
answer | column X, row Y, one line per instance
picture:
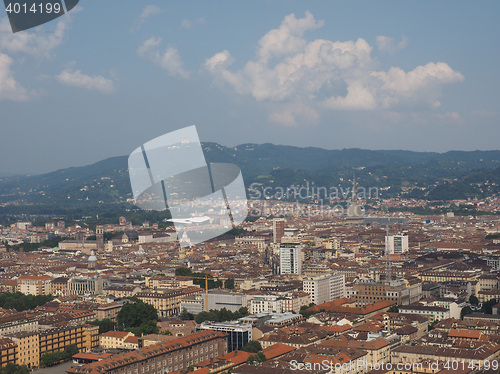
column 268, row 187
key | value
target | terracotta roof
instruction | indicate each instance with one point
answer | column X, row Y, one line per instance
column 337, row 307
column 92, row 356
column 276, row 350
column 35, row 277
column 466, row 334
column 132, row 339
column 237, row 357
column 116, row 334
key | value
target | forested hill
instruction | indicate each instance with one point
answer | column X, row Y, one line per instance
column 428, row 175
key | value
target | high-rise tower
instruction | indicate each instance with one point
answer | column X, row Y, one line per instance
column 99, row 237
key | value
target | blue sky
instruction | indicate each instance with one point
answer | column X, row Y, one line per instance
column 114, row 74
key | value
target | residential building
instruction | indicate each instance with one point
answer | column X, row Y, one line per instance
column 59, row 286
column 167, row 282
column 57, row 339
column 28, row 348
column 34, row 284
column 278, row 229
column 173, row 356
column 396, row 244
column 325, row 288
column 114, row 339
column 8, row 352
column 400, row 291
column 109, row 311
column 265, row 303
column 434, row 313
column 290, row 258
column 167, row 303
column 122, row 291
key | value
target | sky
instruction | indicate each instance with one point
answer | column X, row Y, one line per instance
column 110, row 75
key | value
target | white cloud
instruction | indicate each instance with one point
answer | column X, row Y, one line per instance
column 324, row 74
column 10, row 89
column 36, row 43
column 76, row 78
column 387, row 44
column 169, row 60
column 149, row 11
column 295, row 114
column 187, row 23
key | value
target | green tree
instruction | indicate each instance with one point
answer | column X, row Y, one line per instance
column 473, row 300
column 466, row 310
column 183, row 272
column 221, row 315
column 433, row 325
column 71, row 350
column 185, row 315
column 307, row 313
column 137, row 314
column 11, row 368
column 252, row 346
column 393, row 309
column 258, row 357
column 21, row 301
column 48, row 359
column 488, row 306
column 105, row 325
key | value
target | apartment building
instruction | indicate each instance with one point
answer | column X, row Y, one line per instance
column 34, row 284
column 434, row 313
column 122, row 291
column 325, row 288
column 59, row 286
column 28, row 348
column 8, row 352
column 176, row 355
column 17, row 322
column 265, row 303
column 57, row 339
column 109, row 311
column 167, row 282
column 114, row 339
column 400, row 291
column 167, row 303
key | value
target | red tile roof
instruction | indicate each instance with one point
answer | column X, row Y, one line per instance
column 276, row 350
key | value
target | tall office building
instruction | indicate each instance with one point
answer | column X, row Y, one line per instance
column 290, row 258
column 325, row 288
column 396, row 244
column 278, row 229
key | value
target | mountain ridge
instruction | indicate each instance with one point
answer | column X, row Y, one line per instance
column 399, row 173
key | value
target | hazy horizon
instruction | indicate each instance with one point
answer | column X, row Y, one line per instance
column 9, row 174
